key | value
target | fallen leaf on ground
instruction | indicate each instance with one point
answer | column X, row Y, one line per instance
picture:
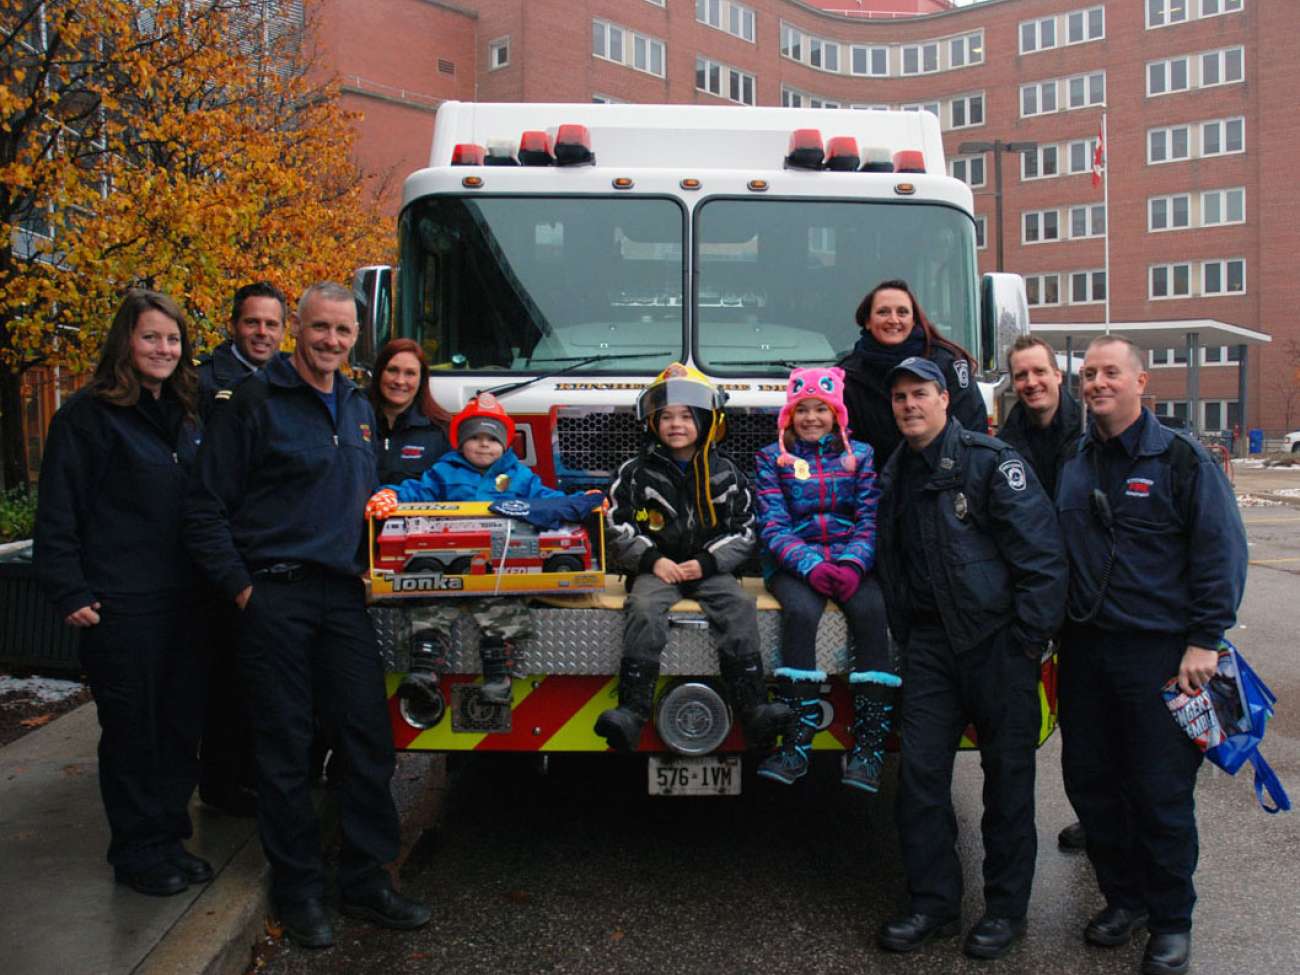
column 517, row 896
column 37, row 721
column 616, row 934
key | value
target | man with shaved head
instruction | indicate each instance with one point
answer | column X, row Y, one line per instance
column 1157, row 567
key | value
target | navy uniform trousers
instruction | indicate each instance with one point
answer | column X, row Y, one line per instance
column 1130, row 771
column 304, row 639
column 995, row 687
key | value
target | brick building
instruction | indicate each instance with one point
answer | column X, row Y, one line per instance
column 1197, row 95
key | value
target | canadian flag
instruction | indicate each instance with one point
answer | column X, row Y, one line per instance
column 1098, row 158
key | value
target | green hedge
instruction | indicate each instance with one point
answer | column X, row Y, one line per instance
column 17, row 514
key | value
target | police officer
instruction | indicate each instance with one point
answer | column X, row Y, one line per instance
column 274, row 518
column 226, row 771
column 970, row 562
column 1158, row 565
column 257, row 316
column 1044, row 426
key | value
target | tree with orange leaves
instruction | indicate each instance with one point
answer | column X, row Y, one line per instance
column 175, row 144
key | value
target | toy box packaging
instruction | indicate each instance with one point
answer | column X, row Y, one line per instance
column 436, row 549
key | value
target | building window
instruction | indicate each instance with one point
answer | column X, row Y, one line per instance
column 1223, row 206
column 1223, row 277
column 966, row 49
column 1087, row 287
column 1223, row 137
column 921, row 58
column 724, row 81
column 626, row 47
column 1212, row 8
column 816, row 52
column 1169, row 212
column 931, row 107
column 1080, row 155
column 1176, row 356
column 1168, row 145
column 793, row 98
column 1225, row 67
column 968, row 169
column 792, row 42
column 1037, row 35
column 1037, row 99
column 1166, row 77
column 1170, row 281
column 872, row 62
column 727, row 16
column 1082, row 26
column 1162, row 13
column 1087, row 221
column 981, row 233
column 967, row 111
column 1040, row 226
column 1040, row 163
column 599, row 99
column 1043, row 289
column 499, row 53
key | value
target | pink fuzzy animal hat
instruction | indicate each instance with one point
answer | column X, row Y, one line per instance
column 827, row 385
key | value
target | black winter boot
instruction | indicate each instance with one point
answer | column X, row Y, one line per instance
column 802, row 697
column 760, row 718
column 494, row 652
column 621, row 726
column 873, row 706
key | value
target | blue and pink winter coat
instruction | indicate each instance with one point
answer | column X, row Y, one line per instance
column 830, row 516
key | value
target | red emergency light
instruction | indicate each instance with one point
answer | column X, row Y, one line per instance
column 877, row 160
column 573, row 146
column 467, row 154
column 535, row 149
column 805, row 150
column 909, row 161
column 842, row 154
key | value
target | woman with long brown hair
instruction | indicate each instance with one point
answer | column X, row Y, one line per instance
column 412, row 427
column 109, row 556
column 893, row 328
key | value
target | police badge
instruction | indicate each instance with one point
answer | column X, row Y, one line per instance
column 502, row 483
column 960, row 506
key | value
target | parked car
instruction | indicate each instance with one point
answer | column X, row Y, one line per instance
column 1292, row 441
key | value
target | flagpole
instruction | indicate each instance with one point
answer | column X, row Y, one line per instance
column 1105, row 176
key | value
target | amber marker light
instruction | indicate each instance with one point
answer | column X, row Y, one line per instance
column 758, row 185
column 904, row 189
column 472, row 182
column 689, row 184
column 623, row 183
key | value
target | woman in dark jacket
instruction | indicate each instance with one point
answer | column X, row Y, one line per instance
column 109, row 556
column 894, row 328
column 412, row 427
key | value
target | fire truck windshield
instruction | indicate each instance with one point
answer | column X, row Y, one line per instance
column 529, row 284
column 779, row 280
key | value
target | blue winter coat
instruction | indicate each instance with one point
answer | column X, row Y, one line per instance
column 453, row 478
column 830, row 516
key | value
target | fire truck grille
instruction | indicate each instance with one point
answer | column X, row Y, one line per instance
column 597, row 442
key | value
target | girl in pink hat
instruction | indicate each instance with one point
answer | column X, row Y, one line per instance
column 817, row 497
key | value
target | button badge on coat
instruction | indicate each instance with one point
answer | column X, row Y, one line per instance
column 960, row 506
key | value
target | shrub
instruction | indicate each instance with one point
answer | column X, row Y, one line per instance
column 17, row 514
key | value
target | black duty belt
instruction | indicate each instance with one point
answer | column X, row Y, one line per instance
column 283, row 572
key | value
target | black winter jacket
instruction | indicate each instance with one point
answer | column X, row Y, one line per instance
column 991, row 538
column 1062, row 439
column 653, row 513
column 108, row 515
column 219, row 373
column 410, row 447
column 279, row 480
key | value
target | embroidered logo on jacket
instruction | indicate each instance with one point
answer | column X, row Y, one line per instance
column 412, row 452
column 1014, row 472
column 1138, row 487
column 962, row 368
column 365, row 431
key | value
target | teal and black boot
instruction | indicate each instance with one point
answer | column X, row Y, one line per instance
column 621, row 726
column 800, row 690
column 873, row 706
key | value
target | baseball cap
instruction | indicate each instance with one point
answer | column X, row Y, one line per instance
column 921, row 368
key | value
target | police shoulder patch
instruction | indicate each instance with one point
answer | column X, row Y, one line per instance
column 962, row 368
column 1014, row 472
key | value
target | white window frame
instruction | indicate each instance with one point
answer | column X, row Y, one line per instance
column 1168, row 132
column 1040, row 88
column 599, row 99
column 1223, row 199
column 627, row 45
column 1220, row 56
column 1088, row 148
column 1039, row 155
column 1086, row 22
column 981, row 232
column 934, row 108
column 1171, row 272
column 797, row 98
column 1040, row 227
column 921, row 48
column 968, row 44
column 1223, row 7
column 1169, row 208
column 1036, row 28
column 1165, row 71
column 734, row 18
column 869, row 52
column 1158, row 12
column 729, row 79
column 1090, row 277
column 500, row 44
column 1223, row 124
column 967, row 165
column 1094, row 220
column 1037, row 283
column 1223, row 267
column 967, row 102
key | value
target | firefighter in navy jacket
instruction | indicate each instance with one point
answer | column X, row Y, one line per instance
column 1158, row 566
column 974, row 579
column 412, row 431
column 257, row 316
column 109, row 556
column 275, row 519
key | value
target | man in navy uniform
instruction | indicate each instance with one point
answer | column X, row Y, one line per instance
column 257, row 315
column 275, row 520
column 970, row 562
column 1158, row 565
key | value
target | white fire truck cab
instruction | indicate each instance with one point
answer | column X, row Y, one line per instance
column 562, row 255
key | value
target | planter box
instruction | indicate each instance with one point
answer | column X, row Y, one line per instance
column 32, row 634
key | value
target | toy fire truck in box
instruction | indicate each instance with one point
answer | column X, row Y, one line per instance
column 463, row 549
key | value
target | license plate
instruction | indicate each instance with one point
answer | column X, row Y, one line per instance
column 710, row 775
column 470, row 714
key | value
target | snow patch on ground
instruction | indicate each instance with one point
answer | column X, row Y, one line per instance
column 47, row 689
column 1255, row 501
column 1287, row 492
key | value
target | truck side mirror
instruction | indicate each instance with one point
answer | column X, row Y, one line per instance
column 1004, row 317
column 372, row 287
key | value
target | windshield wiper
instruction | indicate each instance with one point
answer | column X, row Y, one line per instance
column 788, row 363
column 575, row 362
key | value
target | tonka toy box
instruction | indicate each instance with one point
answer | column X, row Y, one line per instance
column 464, row 548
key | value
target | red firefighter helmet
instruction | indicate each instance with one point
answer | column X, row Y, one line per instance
column 483, row 414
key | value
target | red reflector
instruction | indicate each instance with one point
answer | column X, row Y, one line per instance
column 842, row 154
column 909, row 161
column 535, row 149
column 573, row 145
column 467, row 154
column 805, row 149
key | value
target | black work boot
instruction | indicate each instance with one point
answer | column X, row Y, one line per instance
column 873, row 706
column 760, row 718
column 621, row 726
column 494, row 652
column 802, row 699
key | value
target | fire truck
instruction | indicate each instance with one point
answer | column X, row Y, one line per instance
column 561, row 256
